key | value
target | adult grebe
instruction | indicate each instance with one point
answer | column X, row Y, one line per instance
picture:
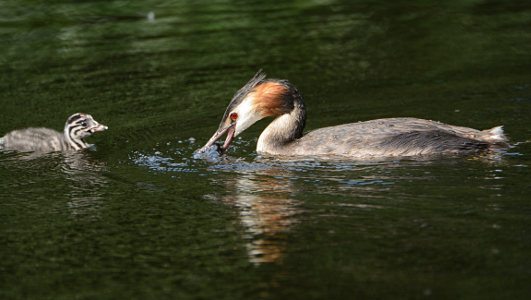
column 391, row 137
column 77, row 128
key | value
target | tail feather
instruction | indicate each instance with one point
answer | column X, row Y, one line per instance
column 495, row 135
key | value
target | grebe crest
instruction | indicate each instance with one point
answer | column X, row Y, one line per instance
column 258, row 99
column 390, row 137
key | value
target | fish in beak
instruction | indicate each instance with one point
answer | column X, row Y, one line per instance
column 241, row 113
column 229, row 130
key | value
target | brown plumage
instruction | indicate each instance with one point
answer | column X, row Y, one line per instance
column 391, row 137
column 270, row 100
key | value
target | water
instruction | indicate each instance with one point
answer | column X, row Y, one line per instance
column 140, row 217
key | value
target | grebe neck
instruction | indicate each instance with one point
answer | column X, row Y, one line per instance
column 283, row 129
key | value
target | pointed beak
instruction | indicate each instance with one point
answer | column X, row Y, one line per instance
column 229, row 129
column 98, row 128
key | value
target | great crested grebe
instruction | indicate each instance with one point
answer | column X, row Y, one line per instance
column 391, row 137
column 77, row 128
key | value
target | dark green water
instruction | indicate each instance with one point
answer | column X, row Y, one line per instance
column 139, row 218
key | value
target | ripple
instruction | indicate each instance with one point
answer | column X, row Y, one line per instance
column 157, row 162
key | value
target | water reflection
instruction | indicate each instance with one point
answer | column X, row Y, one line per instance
column 86, row 182
column 262, row 193
column 268, row 193
column 267, row 210
column 75, row 177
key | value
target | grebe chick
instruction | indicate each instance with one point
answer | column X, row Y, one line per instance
column 77, row 128
column 391, row 137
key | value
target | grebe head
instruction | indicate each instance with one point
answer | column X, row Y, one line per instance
column 79, row 126
column 258, row 99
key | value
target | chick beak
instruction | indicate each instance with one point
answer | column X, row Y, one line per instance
column 99, row 127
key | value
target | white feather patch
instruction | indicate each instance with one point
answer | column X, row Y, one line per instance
column 496, row 134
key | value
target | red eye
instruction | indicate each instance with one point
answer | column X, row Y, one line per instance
column 234, row 116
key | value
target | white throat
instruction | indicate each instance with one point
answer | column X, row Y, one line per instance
column 277, row 133
column 248, row 116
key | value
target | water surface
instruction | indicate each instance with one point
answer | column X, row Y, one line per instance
column 139, row 217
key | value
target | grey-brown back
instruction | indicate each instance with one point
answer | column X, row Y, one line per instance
column 395, row 137
column 35, row 139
